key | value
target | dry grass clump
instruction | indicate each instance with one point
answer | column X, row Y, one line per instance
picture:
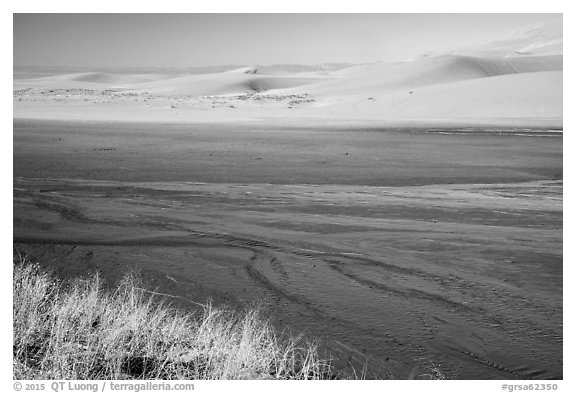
column 77, row 330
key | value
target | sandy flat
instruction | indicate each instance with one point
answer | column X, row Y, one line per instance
column 468, row 276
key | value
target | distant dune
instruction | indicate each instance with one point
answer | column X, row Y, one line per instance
column 232, row 82
column 86, row 80
column 513, row 78
column 544, row 38
column 99, row 77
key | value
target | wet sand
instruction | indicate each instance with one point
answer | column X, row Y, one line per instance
column 404, row 245
column 266, row 153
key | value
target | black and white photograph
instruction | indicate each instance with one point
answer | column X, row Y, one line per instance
column 287, row 196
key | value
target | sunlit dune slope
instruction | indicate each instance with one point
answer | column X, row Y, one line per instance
column 385, row 78
column 529, row 95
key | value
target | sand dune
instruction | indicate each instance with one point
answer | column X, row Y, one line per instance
column 516, row 76
column 227, row 83
column 230, row 82
column 541, row 39
column 534, row 95
column 243, row 70
column 385, row 78
column 100, row 77
column 87, row 80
